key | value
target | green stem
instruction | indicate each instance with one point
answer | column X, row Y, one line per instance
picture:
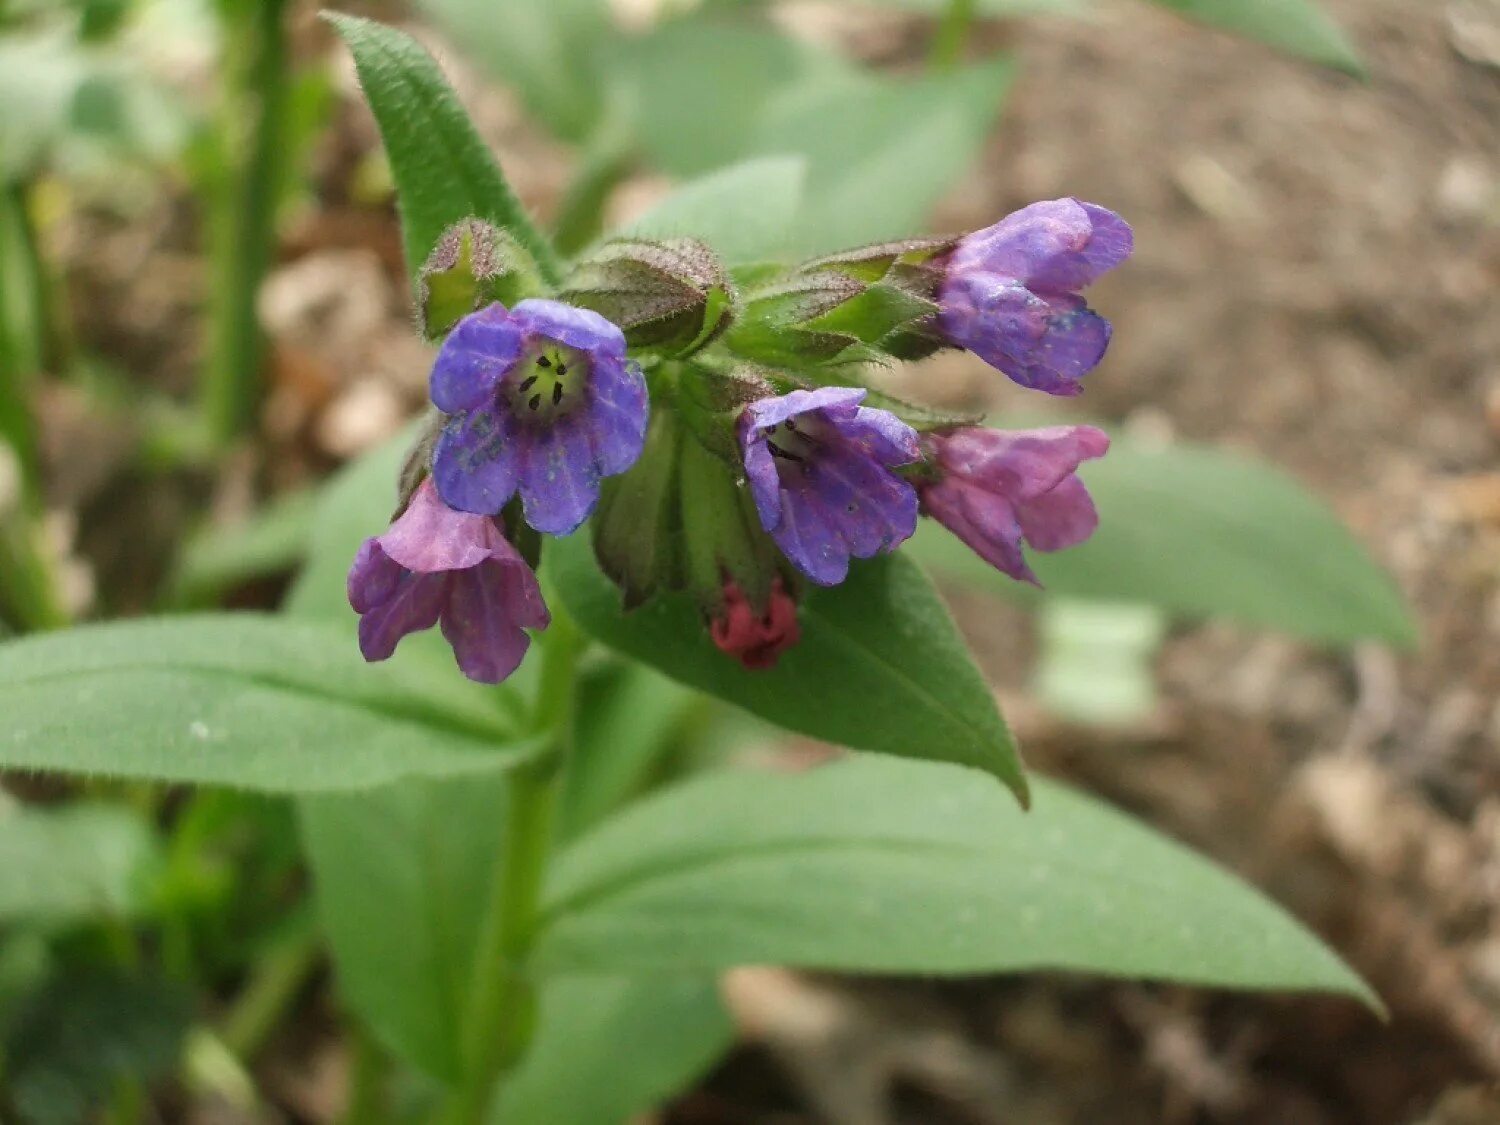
column 274, row 985
column 367, row 1078
column 29, row 595
column 951, row 36
column 245, row 224
column 502, row 1008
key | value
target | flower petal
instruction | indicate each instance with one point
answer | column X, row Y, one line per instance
column 806, row 535
column 578, row 328
column 1062, row 517
column 559, row 482
column 1056, row 246
column 768, row 412
column 373, row 578
column 414, row 606
column 430, row 536
column 618, row 411
column 482, row 347
column 487, row 642
column 478, row 459
column 1044, row 342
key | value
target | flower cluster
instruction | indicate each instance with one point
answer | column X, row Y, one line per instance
column 722, row 439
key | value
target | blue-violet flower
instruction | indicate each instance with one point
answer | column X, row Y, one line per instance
column 998, row 489
column 1010, row 292
column 819, row 466
column 437, row 564
column 543, row 401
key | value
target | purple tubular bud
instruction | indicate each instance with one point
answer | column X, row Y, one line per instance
column 820, row 471
column 438, row 565
column 1010, row 292
column 999, row 489
column 542, row 401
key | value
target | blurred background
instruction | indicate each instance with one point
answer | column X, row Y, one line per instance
column 204, row 315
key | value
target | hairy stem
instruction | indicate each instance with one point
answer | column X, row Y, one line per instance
column 245, row 223
column 502, row 1007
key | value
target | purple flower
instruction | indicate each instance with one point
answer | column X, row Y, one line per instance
column 1000, row 488
column 1010, row 292
column 819, row 466
column 436, row 564
column 544, row 401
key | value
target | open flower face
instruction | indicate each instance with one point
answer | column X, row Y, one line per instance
column 820, row 469
column 543, row 402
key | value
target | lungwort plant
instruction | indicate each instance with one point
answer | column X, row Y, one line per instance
column 664, row 454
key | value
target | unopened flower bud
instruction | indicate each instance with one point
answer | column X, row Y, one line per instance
column 473, row 264
column 755, row 637
column 673, row 297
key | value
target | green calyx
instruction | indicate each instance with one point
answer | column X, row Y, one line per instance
column 682, row 518
column 859, row 306
column 672, row 297
column 473, row 265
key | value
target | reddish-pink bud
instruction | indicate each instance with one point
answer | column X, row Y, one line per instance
column 755, row 640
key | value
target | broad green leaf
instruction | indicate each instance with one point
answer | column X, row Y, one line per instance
column 443, row 171
column 402, row 874
column 241, row 700
column 747, row 212
column 701, row 86
column 608, row 1048
column 877, row 865
column 881, row 151
column 72, row 864
column 629, row 719
column 1206, row 533
column 1298, row 27
column 880, row 665
column 546, row 50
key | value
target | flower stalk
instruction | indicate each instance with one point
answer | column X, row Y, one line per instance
column 502, row 1013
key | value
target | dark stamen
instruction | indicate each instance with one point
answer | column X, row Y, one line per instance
column 543, row 361
column 562, row 369
column 536, row 400
column 777, row 451
column 526, row 383
column 556, row 393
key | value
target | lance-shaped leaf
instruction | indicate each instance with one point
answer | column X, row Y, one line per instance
column 880, row 666
column 443, row 172
column 877, row 865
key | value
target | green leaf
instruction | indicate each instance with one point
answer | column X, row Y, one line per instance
column 881, row 151
column 701, row 86
column 747, row 212
column 72, row 864
column 544, row 49
column 608, row 1048
column 443, row 171
column 876, row 865
column 628, row 720
column 1206, row 533
column 880, row 665
column 401, row 875
column 241, row 700
column 1298, row 27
